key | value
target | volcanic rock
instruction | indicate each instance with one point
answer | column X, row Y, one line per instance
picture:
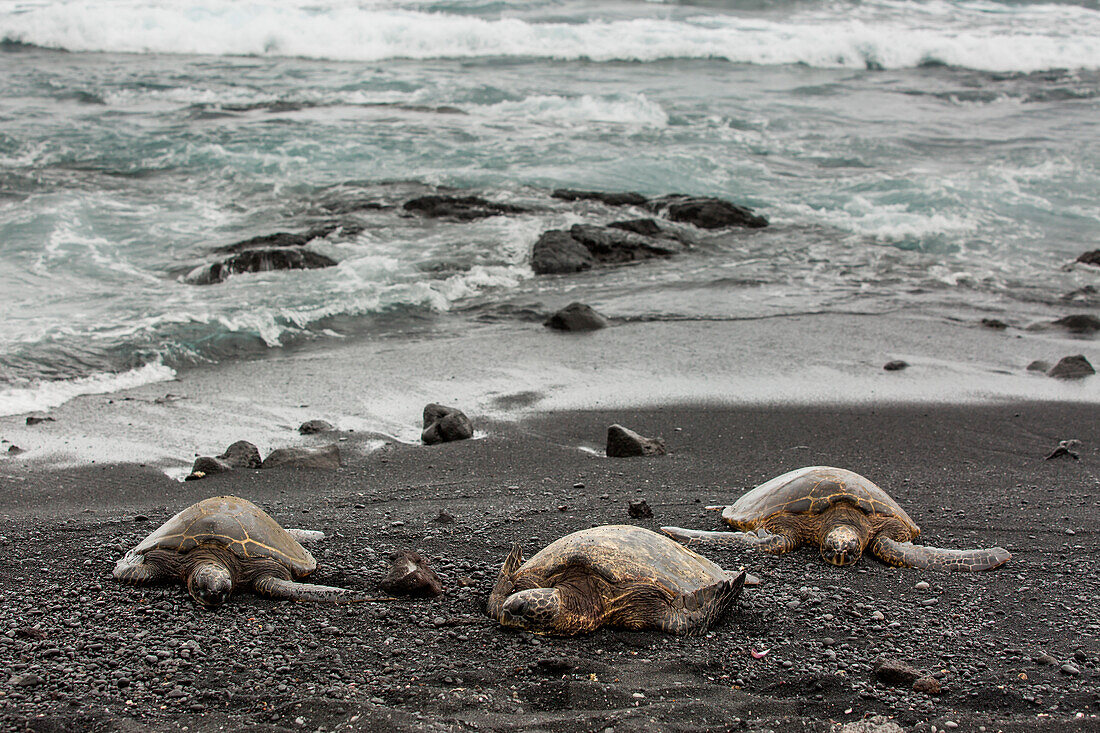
column 895, row 366
column 557, row 252
column 624, row 443
column 1072, row 367
column 327, row 457
column 628, row 198
column 312, row 427
column 639, row 509
column 461, row 208
column 410, row 575
column 1090, row 258
column 1079, row 323
column 1039, row 366
column 707, row 212
column 995, row 324
column 207, row 465
column 35, row 420
column 576, row 317
column 445, row 424
column 242, row 454
column 279, row 240
column 259, row 260
column 874, row 724
column 585, row 246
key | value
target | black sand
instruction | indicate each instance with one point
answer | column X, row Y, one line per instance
column 78, row 651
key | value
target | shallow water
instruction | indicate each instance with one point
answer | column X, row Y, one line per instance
column 940, row 156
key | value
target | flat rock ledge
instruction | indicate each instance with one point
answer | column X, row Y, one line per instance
column 459, row 208
column 625, row 443
column 444, row 424
column 326, row 457
column 576, row 317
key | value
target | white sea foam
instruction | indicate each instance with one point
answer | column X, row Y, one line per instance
column 634, row 109
column 49, row 394
column 887, row 34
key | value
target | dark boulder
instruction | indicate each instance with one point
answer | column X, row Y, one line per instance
column 312, row 427
column 445, row 424
column 895, row 366
column 639, row 509
column 927, row 685
column 461, row 208
column 576, row 317
column 1039, row 366
column 645, row 227
column 1072, row 367
column 206, row 466
column 585, row 246
column 327, row 457
column 1079, row 323
column 409, row 575
column 259, row 260
column 36, row 420
column 241, row 454
column 995, row 324
column 628, row 198
column 279, row 240
column 624, row 443
column 1090, row 258
column 707, row 212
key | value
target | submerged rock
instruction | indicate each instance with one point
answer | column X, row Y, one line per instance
column 409, row 575
column 1072, row 367
column 280, row 240
column 576, row 317
column 462, row 208
column 585, row 245
column 445, row 424
column 707, row 212
column 628, row 198
column 327, row 457
column 625, row 443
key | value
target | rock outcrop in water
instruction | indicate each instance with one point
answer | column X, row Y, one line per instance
column 278, row 251
column 461, row 208
column 1090, row 258
column 707, row 212
column 628, row 198
column 585, row 246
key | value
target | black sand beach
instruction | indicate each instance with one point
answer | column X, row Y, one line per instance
column 78, row 651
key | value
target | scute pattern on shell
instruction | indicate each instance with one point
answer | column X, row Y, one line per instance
column 623, row 553
column 236, row 524
column 812, row 490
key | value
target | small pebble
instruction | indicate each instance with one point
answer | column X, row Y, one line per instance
column 922, row 585
column 1070, row 670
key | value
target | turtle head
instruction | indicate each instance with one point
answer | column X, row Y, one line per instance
column 841, row 545
column 210, row 584
column 536, row 609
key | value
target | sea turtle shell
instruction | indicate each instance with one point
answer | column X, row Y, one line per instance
column 623, row 553
column 812, row 490
column 236, row 524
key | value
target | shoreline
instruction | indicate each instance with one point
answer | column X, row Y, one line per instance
column 971, row 476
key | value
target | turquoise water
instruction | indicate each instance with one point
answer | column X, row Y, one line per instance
column 935, row 155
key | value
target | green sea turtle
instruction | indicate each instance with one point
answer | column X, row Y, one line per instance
column 615, row 575
column 223, row 542
column 841, row 512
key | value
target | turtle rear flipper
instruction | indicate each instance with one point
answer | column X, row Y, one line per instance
column 908, row 555
column 777, row 544
column 504, row 584
column 289, row 590
column 694, row 613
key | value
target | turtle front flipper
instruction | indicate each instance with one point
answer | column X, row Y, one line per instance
column 289, row 590
column 134, row 570
column 776, row 544
column 505, row 582
column 908, row 555
column 694, row 613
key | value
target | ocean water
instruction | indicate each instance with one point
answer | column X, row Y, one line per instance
column 932, row 155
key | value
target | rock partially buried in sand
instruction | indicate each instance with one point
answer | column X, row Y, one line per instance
column 707, row 212
column 1072, row 367
column 241, row 454
column 639, row 509
column 895, row 366
column 35, row 420
column 994, row 323
column 410, row 575
column 927, row 685
column 625, row 443
column 895, row 672
column 1039, row 366
column 327, row 457
column 444, row 424
column 312, row 427
column 576, row 317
